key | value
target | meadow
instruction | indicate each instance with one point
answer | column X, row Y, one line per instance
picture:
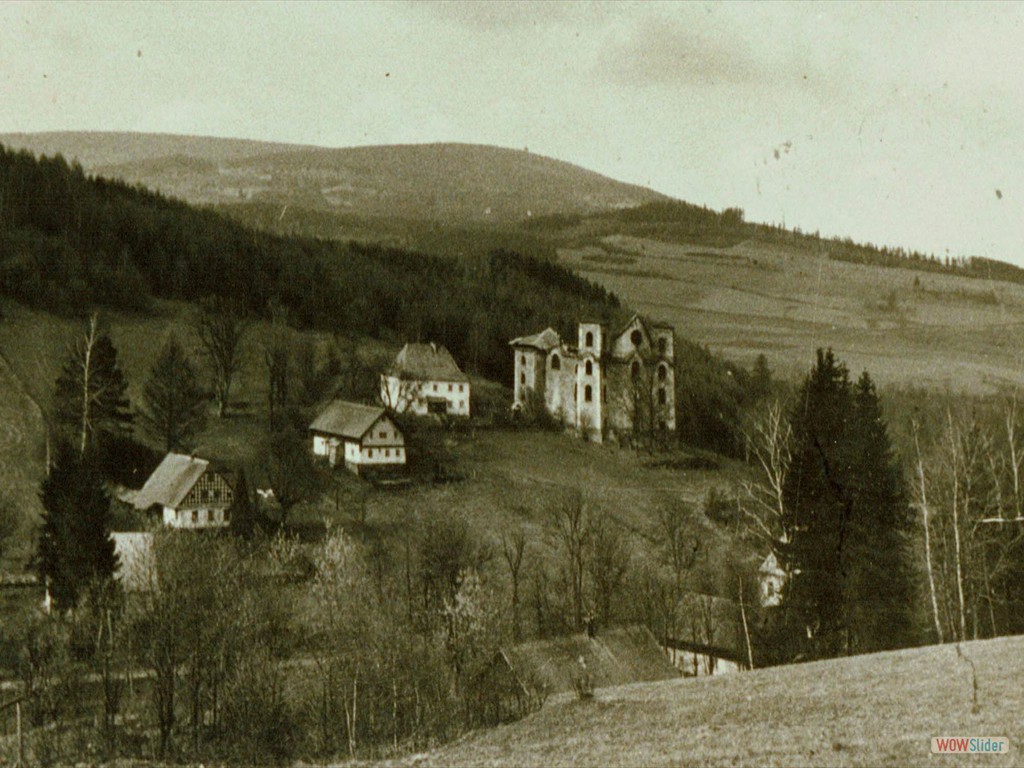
column 873, row 710
column 939, row 331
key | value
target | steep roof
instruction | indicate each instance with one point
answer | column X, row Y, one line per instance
column 426, row 362
column 171, row 481
column 347, row 419
column 544, row 341
column 613, row 657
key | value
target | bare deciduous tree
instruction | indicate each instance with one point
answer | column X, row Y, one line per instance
column 221, row 326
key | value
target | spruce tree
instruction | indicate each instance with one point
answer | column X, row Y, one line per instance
column 76, row 551
column 173, row 403
column 818, row 505
column 881, row 584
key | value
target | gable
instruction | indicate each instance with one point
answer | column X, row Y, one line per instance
column 635, row 338
column 211, row 490
column 383, row 432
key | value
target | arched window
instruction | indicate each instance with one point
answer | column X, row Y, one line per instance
column 588, row 393
column 661, row 396
column 522, row 359
column 634, row 369
column 590, row 339
column 556, row 363
column 662, row 372
column 589, row 368
column 636, row 337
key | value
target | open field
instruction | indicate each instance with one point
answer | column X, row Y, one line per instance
column 873, row 710
column 903, row 326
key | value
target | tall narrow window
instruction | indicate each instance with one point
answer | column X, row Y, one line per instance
column 662, row 372
column 590, row 339
column 556, row 363
column 522, row 359
column 589, row 368
column 588, row 393
column 661, row 396
column 662, row 346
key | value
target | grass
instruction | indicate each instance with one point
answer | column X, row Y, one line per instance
column 756, row 298
column 874, row 710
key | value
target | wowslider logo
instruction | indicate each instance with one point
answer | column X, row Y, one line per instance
column 970, row 745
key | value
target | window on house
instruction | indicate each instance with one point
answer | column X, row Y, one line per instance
column 387, row 453
column 522, row 359
column 662, row 372
column 589, row 341
column 661, row 396
column 435, row 387
column 195, row 516
column 634, row 369
column 662, row 346
column 556, row 363
column 588, row 393
column 460, row 387
column 369, row 453
column 227, row 515
column 574, row 388
column 449, row 387
column 636, row 337
column 589, row 368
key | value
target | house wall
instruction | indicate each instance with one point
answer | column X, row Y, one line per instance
column 560, row 391
column 198, row 517
column 406, row 396
column 530, row 374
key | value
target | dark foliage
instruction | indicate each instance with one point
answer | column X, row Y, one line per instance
column 75, row 550
column 173, row 403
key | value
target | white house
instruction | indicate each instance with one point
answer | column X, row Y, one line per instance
column 187, row 492
column 361, row 436
column 771, row 580
column 425, row 379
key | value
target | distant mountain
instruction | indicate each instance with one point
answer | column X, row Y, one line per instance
column 453, row 184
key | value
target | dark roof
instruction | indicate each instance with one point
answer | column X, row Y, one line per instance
column 171, row 481
column 544, row 341
column 614, row 656
column 347, row 419
column 426, row 362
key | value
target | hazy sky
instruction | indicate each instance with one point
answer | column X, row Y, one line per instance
column 900, row 124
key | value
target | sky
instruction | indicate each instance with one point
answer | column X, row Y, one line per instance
column 898, row 124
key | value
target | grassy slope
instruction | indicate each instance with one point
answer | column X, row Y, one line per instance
column 752, row 298
column 872, row 710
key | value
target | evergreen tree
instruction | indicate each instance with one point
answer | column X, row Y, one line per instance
column 90, row 396
column 818, row 507
column 173, row 402
column 881, row 583
column 851, row 588
column 76, row 551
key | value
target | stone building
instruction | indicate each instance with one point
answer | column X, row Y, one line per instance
column 620, row 385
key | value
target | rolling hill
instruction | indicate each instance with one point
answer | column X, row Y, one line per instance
column 873, row 710
column 453, row 184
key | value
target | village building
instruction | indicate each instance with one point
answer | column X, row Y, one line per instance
column 187, row 492
column 771, row 580
column 363, row 437
column 619, row 385
column 425, row 380
column 521, row 677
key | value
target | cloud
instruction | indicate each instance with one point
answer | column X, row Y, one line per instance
column 662, row 51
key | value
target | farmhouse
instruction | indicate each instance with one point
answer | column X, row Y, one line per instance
column 521, row 677
column 425, row 379
column 606, row 384
column 361, row 436
column 187, row 492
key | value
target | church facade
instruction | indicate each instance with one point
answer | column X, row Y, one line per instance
column 617, row 385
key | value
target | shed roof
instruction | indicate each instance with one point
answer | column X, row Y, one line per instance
column 345, row 419
column 545, row 340
column 171, row 481
column 426, row 362
column 614, row 656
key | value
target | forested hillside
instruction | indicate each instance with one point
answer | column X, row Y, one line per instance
column 69, row 241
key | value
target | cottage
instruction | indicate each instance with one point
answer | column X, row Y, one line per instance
column 771, row 580
column 362, row 436
column 521, row 677
column 606, row 384
column 187, row 492
column 424, row 380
